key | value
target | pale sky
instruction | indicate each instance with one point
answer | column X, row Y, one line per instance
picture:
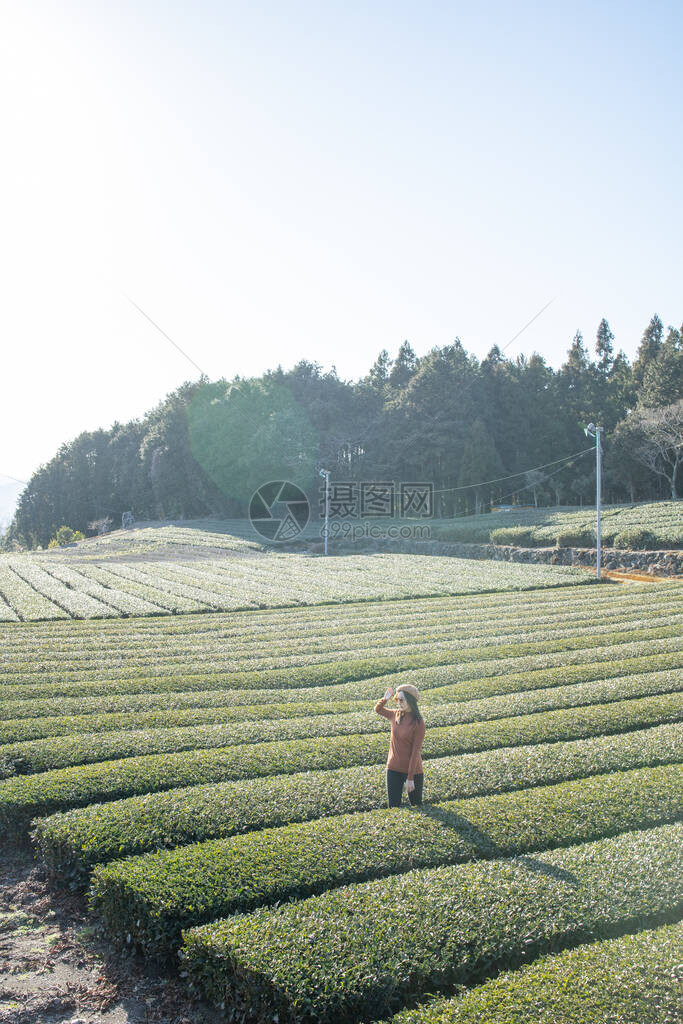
column 279, row 181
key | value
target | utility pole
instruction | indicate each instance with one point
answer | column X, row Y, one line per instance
column 596, row 432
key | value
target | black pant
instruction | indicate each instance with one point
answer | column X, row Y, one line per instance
column 395, row 781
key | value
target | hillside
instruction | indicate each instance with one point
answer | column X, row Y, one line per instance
column 479, row 432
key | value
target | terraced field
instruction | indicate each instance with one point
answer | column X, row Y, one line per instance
column 35, row 588
column 216, row 783
column 662, row 519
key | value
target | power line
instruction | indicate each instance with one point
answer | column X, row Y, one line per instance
column 528, row 325
column 168, row 338
column 511, row 476
column 8, row 477
column 525, row 487
column 548, row 476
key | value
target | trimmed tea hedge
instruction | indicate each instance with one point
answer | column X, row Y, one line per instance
column 56, row 653
column 636, row 538
column 70, row 843
column 274, row 580
column 282, row 647
column 65, row 652
column 576, row 537
column 26, row 796
column 82, row 748
column 148, row 900
column 351, row 669
column 519, row 536
column 447, row 682
column 217, row 707
column 558, row 675
column 358, row 951
column 616, row 981
column 273, row 621
column 663, row 518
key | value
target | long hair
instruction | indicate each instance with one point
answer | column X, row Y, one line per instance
column 412, row 704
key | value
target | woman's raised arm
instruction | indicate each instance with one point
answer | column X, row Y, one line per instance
column 381, row 709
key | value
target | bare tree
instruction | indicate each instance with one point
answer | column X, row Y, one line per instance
column 101, row 526
column 658, row 441
column 533, row 479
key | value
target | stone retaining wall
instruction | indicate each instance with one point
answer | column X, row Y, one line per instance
column 656, row 563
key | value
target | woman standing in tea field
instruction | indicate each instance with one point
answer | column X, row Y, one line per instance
column 404, row 764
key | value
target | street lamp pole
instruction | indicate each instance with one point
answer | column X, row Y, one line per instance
column 326, row 529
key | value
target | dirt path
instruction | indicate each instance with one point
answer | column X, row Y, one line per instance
column 55, row 969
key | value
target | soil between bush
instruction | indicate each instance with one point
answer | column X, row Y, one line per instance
column 56, row 969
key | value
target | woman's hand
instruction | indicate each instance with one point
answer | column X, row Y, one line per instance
column 410, row 785
column 388, row 694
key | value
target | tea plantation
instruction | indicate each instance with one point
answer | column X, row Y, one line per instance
column 208, row 565
column 215, row 782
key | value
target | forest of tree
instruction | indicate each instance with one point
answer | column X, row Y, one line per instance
column 445, row 418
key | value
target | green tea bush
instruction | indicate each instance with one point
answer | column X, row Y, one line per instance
column 292, row 631
column 147, row 900
column 636, row 538
column 545, row 678
column 217, row 709
column 27, row 796
column 662, row 518
column 445, row 682
column 517, row 536
column 583, row 537
column 336, row 673
column 82, row 748
column 461, row 534
column 71, row 843
column 237, row 584
column 359, row 951
column 298, row 677
column 630, row 978
column 182, row 658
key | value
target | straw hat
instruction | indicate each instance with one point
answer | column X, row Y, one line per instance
column 409, row 688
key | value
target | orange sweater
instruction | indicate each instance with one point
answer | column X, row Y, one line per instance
column 406, row 741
